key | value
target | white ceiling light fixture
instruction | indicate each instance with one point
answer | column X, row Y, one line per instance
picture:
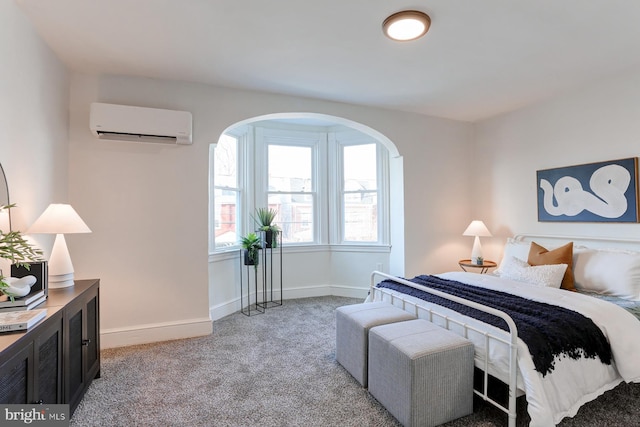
column 406, row 25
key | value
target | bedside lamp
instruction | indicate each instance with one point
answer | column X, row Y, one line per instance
column 59, row 219
column 476, row 229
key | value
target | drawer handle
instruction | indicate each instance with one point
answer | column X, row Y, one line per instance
column 86, row 342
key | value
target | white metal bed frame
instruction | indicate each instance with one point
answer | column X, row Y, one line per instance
column 510, row 338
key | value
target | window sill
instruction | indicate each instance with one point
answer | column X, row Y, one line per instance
column 298, row 248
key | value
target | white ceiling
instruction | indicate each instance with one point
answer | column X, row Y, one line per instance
column 479, row 59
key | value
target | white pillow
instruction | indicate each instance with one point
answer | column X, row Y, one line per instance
column 513, row 248
column 549, row 276
column 608, row 272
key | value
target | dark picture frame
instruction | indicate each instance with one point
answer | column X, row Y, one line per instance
column 38, row 269
column 593, row 192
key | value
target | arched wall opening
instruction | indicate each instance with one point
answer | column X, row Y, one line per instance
column 312, row 278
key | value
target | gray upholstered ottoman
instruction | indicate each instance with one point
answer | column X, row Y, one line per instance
column 352, row 333
column 421, row 373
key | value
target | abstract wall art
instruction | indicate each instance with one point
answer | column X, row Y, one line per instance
column 594, row 192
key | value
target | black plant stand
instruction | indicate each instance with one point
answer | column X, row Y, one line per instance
column 245, row 308
column 268, row 275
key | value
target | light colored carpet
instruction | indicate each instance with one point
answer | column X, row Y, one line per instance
column 275, row 369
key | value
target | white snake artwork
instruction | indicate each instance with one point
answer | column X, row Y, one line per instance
column 608, row 183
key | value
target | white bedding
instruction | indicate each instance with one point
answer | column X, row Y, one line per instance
column 572, row 382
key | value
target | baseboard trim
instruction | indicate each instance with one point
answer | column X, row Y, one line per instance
column 229, row 307
column 349, row 291
column 144, row 334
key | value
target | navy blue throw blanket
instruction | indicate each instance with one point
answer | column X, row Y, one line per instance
column 548, row 330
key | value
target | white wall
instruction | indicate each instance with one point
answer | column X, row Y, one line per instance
column 598, row 123
column 34, row 117
column 306, row 272
column 147, row 205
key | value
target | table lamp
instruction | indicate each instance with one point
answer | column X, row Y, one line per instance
column 59, row 219
column 476, row 229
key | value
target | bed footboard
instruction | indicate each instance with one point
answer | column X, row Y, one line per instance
column 482, row 359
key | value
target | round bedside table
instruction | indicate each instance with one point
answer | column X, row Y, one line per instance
column 484, row 267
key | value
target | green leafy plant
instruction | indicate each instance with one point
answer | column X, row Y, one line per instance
column 16, row 249
column 252, row 245
column 264, row 218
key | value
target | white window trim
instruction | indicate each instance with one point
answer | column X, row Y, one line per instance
column 294, row 138
column 241, row 151
column 342, row 139
column 212, row 201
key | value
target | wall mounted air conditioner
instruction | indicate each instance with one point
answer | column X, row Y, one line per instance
column 139, row 124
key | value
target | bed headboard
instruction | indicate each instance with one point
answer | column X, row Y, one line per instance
column 590, row 242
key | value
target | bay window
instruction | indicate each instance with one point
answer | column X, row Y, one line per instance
column 328, row 185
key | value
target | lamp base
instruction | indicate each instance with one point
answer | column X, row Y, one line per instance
column 476, row 251
column 59, row 281
column 60, row 266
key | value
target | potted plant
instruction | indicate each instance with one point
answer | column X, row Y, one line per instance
column 264, row 218
column 251, row 245
column 16, row 249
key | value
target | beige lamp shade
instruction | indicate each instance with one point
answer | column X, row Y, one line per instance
column 477, row 229
column 59, row 219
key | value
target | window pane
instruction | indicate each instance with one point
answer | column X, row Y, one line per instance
column 226, row 203
column 225, row 163
column 295, row 216
column 359, row 167
column 290, row 168
column 361, row 217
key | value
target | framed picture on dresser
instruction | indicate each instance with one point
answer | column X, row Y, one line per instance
column 36, row 269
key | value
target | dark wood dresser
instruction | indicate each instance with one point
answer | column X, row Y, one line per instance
column 55, row 360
